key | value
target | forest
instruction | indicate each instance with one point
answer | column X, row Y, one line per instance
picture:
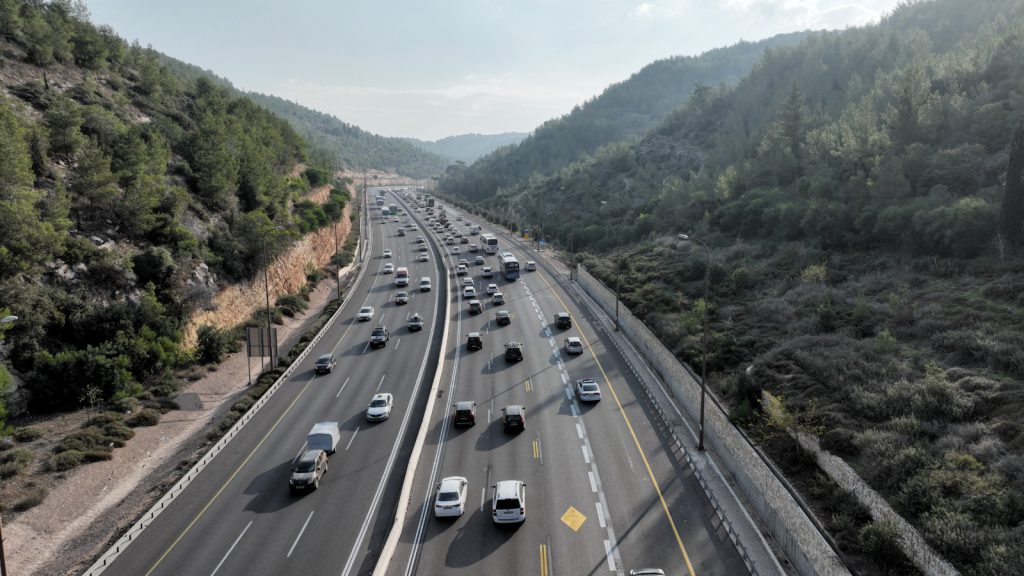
column 862, row 197
column 622, row 112
column 129, row 192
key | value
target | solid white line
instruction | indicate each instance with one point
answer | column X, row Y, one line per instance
column 586, row 456
column 593, row 488
column 600, row 515
column 308, row 518
column 345, row 383
column 483, row 498
column 565, row 377
column 351, row 439
column 228, row 553
column 608, row 555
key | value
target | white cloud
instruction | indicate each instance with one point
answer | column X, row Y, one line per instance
column 811, row 14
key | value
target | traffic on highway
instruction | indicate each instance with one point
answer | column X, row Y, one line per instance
column 462, row 415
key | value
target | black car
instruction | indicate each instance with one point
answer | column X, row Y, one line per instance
column 379, row 337
column 513, row 418
column 513, row 351
column 465, row 414
column 474, row 342
column 563, row 320
column 415, row 323
column 502, row 318
column 325, row 364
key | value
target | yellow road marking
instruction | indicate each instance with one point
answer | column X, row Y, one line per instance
column 573, row 518
column 536, row 449
column 529, row 386
column 632, row 433
column 228, row 481
column 543, row 560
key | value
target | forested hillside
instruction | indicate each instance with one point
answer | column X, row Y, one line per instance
column 622, row 112
column 867, row 269
column 128, row 194
column 469, row 147
column 350, row 147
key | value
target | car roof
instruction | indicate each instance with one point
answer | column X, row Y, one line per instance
column 561, row 314
column 515, row 409
column 309, row 455
column 326, row 357
column 452, row 482
column 474, row 335
column 381, row 396
column 574, row 339
column 513, row 344
column 508, row 488
column 502, row 313
column 464, row 405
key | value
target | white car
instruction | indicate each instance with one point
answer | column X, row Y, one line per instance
column 424, row 257
column 379, row 407
column 387, row 252
column 497, row 298
column 469, row 292
column 365, row 314
column 508, row 502
column 461, row 270
column 573, row 345
column 492, row 288
column 451, row 497
column 389, row 268
column 467, row 281
column 487, row 272
column 425, row 284
column 587, row 390
column 456, row 250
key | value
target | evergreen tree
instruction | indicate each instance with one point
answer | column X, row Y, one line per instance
column 1013, row 192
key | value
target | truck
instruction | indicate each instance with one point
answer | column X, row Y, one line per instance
column 324, row 436
column 430, row 202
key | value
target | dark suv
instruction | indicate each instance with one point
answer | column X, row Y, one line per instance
column 325, row 364
column 379, row 337
column 465, row 414
column 513, row 418
column 474, row 342
column 513, row 351
column 563, row 320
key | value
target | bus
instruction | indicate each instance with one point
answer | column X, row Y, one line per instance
column 508, row 266
column 490, row 243
column 430, row 202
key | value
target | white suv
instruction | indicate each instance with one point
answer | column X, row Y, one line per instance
column 425, row 284
column 508, row 502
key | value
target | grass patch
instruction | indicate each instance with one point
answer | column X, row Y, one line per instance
column 28, row 434
column 144, row 417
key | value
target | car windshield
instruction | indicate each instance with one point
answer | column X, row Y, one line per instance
column 590, row 387
column 365, row 309
column 378, row 331
column 447, row 496
column 306, row 466
column 323, row 361
column 514, row 417
column 378, row 403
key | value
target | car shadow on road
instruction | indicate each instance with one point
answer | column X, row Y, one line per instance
column 269, row 490
column 477, row 538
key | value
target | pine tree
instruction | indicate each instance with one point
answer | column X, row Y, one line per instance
column 1013, row 194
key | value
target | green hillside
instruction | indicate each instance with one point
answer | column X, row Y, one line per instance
column 343, row 145
column 867, row 269
column 624, row 111
column 468, row 148
column 129, row 191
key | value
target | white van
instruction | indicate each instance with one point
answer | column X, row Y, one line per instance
column 324, row 436
column 402, row 276
column 425, row 284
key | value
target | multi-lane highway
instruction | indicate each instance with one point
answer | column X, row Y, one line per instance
column 606, row 490
column 239, row 517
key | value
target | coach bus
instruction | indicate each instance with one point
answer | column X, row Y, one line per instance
column 490, row 243
column 508, row 266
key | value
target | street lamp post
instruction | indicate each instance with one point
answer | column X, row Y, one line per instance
column 704, row 354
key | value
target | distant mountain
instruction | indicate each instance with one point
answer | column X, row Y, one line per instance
column 624, row 111
column 348, row 146
column 469, row 147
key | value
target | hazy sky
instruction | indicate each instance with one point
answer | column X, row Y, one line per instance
column 435, row 68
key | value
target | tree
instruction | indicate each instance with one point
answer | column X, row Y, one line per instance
column 64, row 120
column 1013, row 191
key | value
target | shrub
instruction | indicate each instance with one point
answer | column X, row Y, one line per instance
column 144, row 417
column 292, row 304
column 212, row 344
column 840, row 442
column 96, row 455
column 28, row 434
column 881, row 540
column 32, row 500
column 66, row 460
column 104, row 419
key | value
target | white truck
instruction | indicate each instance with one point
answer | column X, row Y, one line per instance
column 324, row 436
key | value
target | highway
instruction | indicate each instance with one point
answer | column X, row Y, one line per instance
column 606, row 489
column 239, row 517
